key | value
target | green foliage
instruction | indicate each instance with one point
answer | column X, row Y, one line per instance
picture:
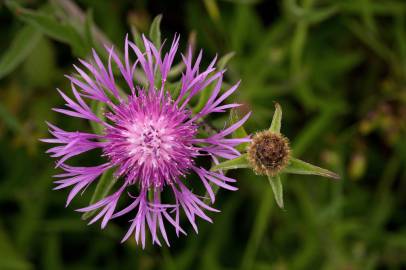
column 62, row 31
column 338, row 69
column 99, row 109
column 276, row 120
column 237, row 163
column 155, row 31
column 297, row 166
column 277, row 189
column 21, row 46
column 239, row 132
column 223, row 61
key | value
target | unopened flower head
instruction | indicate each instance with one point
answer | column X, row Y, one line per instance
column 269, row 153
column 149, row 138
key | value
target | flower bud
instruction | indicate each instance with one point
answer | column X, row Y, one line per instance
column 269, row 153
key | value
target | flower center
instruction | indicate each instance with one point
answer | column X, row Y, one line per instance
column 150, row 140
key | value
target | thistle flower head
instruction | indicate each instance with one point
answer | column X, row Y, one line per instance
column 269, row 153
column 149, row 138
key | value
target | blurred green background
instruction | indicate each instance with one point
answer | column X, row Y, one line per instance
column 338, row 68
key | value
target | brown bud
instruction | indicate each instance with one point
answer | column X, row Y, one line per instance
column 269, row 153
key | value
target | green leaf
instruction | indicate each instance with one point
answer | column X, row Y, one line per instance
column 21, row 46
column 40, row 66
column 297, row 166
column 223, row 61
column 89, row 25
column 212, row 9
column 155, row 31
column 174, row 88
column 137, row 38
column 237, row 163
column 49, row 25
column 176, row 70
column 204, row 97
column 103, row 187
column 239, row 132
column 277, row 119
column 277, row 189
column 98, row 108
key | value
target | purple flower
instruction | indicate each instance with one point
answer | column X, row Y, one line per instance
column 150, row 138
